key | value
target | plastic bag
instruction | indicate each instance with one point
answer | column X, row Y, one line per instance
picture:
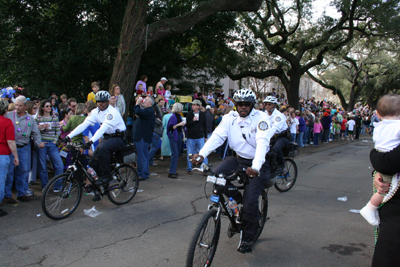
column 92, row 212
column 342, row 198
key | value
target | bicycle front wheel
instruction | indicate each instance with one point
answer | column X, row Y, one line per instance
column 263, row 210
column 285, row 181
column 124, row 186
column 204, row 243
column 61, row 196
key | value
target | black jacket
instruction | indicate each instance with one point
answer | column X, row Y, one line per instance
column 196, row 129
column 143, row 126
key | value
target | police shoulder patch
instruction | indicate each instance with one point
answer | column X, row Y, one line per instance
column 109, row 117
column 278, row 119
column 263, row 126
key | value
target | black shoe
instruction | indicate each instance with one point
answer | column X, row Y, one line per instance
column 24, row 198
column 172, row 175
column 96, row 198
column 104, row 180
column 245, row 247
column 3, row 213
column 89, row 188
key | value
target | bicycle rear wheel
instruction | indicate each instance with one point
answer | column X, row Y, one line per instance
column 263, row 210
column 284, row 182
column 204, row 243
column 124, row 186
column 61, row 196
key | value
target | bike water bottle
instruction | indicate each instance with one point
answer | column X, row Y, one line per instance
column 233, row 206
column 92, row 172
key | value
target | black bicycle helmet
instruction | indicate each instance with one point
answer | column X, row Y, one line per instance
column 102, row 96
column 244, row 95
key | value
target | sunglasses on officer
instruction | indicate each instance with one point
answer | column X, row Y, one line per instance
column 243, row 104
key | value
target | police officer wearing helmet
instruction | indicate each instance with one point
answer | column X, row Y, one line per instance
column 248, row 132
column 112, row 127
column 279, row 125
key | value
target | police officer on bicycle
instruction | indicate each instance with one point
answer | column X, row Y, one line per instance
column 278, row 121
column 248, row 132
column 112, row 127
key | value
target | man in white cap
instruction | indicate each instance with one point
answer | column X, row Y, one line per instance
column 161, row 83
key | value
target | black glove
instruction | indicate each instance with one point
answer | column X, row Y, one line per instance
column 87, row 145
column 66, row 139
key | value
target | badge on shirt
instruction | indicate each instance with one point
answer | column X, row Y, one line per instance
column 109, row 117
column 278, row 119
column 263, row 126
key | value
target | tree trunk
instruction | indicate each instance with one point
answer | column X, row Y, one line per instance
column 133, row 35
column 131, row 46
column 292, row 89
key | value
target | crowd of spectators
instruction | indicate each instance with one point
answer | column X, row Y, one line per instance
column 159, row 121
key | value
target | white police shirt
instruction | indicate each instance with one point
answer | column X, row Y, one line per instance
column 249, row 137
column 277, row 120
column 110, row 118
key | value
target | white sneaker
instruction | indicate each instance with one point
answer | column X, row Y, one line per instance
column 371, row 216
column 29, row 192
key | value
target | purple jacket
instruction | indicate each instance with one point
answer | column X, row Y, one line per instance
column 173, row 121
column 144, row 86
column 302, row 125
column 326, row 122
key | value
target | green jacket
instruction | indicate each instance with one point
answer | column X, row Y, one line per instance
column 73, row 122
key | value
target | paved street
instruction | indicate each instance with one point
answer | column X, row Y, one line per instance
column 308, row 226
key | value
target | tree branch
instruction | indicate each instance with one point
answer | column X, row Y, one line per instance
column 330, row 87
column 176, row 25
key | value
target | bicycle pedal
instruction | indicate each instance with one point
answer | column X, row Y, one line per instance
column 97, row 198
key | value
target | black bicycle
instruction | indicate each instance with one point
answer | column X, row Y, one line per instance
column 286, row 180
column 204, row 242
column 63, row 193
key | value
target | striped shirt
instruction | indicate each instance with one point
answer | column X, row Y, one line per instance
column 54, row 132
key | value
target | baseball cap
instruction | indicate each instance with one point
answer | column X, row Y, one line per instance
column 208, row 107
column 196, row 102
column 164, row 79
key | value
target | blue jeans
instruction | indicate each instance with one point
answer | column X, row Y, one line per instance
column 301, row 139
column 143, row 158
column 193, row 147
column 4, row 165
column 155, row 142
column 49, row 149
column 293, row 137
column 175, row 148
column 316, row 139
column 325, row 135
column 33, row 170
column 21, row 173
column 305, row 136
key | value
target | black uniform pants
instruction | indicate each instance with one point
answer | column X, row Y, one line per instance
column 278, row 146
column 103, row 155
column 252, row 191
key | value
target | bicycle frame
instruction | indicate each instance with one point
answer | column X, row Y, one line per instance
column 222, row 202
column 77, row 164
